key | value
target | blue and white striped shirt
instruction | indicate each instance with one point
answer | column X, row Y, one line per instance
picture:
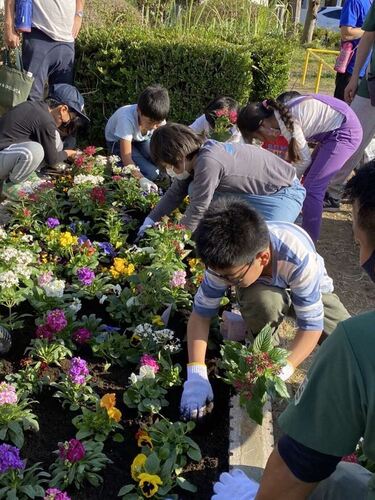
column 295, row 265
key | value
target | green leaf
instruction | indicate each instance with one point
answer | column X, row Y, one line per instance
column 186, row 485
column 118, row 438
column 152, row 464
column 194, row 454
column 281, row 389
column 263, row 341
column 28, row 490
column 126, row 489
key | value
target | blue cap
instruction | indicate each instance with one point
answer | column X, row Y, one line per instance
column 69, row 95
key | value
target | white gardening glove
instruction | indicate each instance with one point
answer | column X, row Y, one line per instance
column 196, row 400
column 235, row 485
column 146, row 223
column 147, row 185
column 286, row 371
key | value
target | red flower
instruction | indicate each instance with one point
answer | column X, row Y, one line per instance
column 73, row 450
column 44, row 332
column 117, row 178
column 78, row 162
column 90, row 150
column 233, row 117
column 98, row 194
column 26, row 212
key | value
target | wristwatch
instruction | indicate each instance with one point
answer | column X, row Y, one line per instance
column 79, row 13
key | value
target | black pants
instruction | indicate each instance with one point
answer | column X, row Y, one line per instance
column 342, row 80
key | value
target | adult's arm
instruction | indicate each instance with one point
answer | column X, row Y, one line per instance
column 77, row 23
column 348, row 33
column 171, row 200
column 47, row 138
column 363, row 50
column 11, row 37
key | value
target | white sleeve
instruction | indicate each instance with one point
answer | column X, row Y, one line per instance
column 302, row 144
column 200, row 125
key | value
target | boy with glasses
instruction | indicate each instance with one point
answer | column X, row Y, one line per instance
column 274, row 266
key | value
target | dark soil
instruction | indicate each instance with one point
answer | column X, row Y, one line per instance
column 55, row 426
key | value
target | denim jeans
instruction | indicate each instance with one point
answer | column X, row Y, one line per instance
column 140, row 156
column 285, row 205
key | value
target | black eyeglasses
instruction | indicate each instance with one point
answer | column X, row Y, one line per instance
column 232, row 281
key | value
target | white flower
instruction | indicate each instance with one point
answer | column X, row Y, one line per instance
column 88, row 179
column 22, row 270
column 54, row 288
column 145, row 371
column 129, row 169
column 103, row 298
column 114, row 159
column 8, row 253
column 8, row 279
column 133, row 301
column 117, row 290
column 75, row 306
column 101, row 160
column 27, row 238
column 3, row 234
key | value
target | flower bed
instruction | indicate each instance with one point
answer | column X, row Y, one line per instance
column 91, row 386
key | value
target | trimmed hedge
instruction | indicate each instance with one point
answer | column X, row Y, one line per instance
column 115, row 64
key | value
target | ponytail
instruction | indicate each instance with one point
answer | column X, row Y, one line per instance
column 286, row 116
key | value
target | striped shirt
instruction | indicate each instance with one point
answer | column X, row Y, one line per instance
column 295, row 265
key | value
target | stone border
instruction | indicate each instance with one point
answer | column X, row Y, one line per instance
column 250, row 444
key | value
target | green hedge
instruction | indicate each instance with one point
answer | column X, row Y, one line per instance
column 115, row 64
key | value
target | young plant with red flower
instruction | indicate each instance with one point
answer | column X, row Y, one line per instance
column 254, row 371
column 76, row 462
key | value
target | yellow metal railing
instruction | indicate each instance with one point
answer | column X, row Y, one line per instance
column 314, row 54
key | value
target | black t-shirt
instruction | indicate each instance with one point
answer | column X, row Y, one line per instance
column 31, row 121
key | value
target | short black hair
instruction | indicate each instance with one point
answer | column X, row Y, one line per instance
column 222, row 102
column 154, row 103
column 361, row 189
column 231, row 233
column 288, row 96
column 172, row 143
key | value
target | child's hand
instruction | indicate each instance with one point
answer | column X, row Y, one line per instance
column 147, row 185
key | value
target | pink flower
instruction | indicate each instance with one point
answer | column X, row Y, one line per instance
column 44, row 332
column 90, row 150
column 178, row 279
column 221, row 112
column 7, row 394
column 117, row 177
column 45, row 278
column 72, row 450
column 233, row 117
column 82, row 335
column 147, row 360
column 56, row 320
column 78, row 162
column 350, row 458
column 56, row 494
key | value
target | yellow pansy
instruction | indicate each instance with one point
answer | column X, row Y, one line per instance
column 67, row 239
column 149, row 484
column 137, row 466
column 108, row 400
column 144, row 439
column 115, row 414
column 157, row 321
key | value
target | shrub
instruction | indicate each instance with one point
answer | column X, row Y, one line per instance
column 115, row 64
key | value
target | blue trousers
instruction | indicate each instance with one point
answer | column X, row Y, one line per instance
column 49, row 61
column 140, row 156
column 285, row 205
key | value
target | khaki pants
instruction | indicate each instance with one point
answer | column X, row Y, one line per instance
column 261, row 304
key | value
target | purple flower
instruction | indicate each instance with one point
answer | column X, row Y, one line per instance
column 44, row 332
column 73, row 227
column 45, row 278
column 147, row 360
column 72, row 450
column 55, row 494
column 107, row 248
column 56, row 320
column 10, row 458
column 52, row 222
column 8, row 394
column 82, row 239
column 78, row 370
column 85, row 275
column 82, row 335
column 178, row 279
column 110, row 329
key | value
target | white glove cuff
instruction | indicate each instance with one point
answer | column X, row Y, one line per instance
column 148, row 222
column 196, row 371
column 286, row 371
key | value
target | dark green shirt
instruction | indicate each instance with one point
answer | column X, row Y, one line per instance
column 335, row 405
column 369, row 25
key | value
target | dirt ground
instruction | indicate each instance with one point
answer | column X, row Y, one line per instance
column 352, row 284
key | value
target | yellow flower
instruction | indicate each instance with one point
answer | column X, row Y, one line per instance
column 121, row 267
column 144, row 439
column 157, row 321
column 108, row 400
column 129, row 270
column 67, row 239
column 51, row 235
column 114, row 413
column 135, row 340
column 137, row 465
column 149, row 484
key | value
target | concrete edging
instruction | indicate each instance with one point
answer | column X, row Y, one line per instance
column 250, row 444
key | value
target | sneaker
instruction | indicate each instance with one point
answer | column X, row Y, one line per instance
column 331, row 204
